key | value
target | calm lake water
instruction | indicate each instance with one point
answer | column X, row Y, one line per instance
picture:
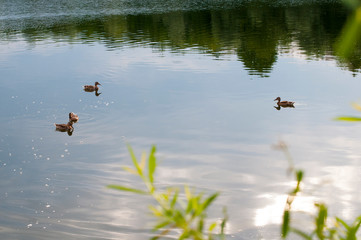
column 195, row 78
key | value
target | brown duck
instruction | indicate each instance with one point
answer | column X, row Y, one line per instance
column 91, row 88
column 64, row 127
column 284, row 103
column 73, row 117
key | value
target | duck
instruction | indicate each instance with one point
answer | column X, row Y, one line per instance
column 64, row 127
column 73, row 117
column 91, row 88
column 284, row 103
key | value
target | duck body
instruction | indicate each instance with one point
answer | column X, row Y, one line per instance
column 91, row 88
column 284, row 103
column 73, row 117
column 64, row 127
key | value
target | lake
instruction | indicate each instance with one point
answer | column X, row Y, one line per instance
column 197, row 79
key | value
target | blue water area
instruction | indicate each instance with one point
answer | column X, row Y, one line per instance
column 198, row 81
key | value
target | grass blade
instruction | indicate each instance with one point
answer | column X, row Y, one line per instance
column 286, row 222
column 350, row 35
column 134, row 159
column 130, row 170
column 152, row 164
column 209, row 200
column 126, row 189
column 348, row 119
column 142, row 161
column 174, row 200
column 301, row 234
column 162, row 224
column 343, row 223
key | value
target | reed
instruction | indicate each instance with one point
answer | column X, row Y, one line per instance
column 171, row 210
column 323, row 226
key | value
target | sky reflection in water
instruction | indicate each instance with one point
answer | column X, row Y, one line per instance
column 213, row 124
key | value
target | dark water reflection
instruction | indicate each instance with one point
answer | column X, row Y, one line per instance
column 255, row 32
column 189, row 77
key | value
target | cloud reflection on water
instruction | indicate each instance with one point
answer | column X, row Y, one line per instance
column 213, row 131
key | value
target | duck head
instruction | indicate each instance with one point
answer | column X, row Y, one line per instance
column 277, row 99
column 97, row 83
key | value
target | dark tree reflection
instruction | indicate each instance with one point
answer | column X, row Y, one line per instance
column 255, row 31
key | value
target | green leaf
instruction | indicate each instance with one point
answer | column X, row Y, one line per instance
column 350, row 35
column 321, row 221
column 179, row 219
column 348, row 119
column 286, row 222
column 152, row 164
column 130, row 170
column 189, row 206
column 162, row 224
column 200, row 225
column 223, row 223
column 174, row 200
column 357, row 225
column 343, row 223
column 209, row 200
column 142, row 161
column 156, row 212
column 185, row 234
column 134, row 159
column 301, row 234
column 195, row 204
column 212, row 226
column 188, row 192
column 122, row 188
column 299, row 175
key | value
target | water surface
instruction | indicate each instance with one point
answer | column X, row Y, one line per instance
column 196, row 79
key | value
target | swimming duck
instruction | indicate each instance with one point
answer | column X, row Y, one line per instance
column 284, row 103
column 91, row 88
column 73, row 117
column 64, row 127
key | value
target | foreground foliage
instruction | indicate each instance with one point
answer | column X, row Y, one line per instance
column 351, row 118
column 171, row 211
column 324, row 227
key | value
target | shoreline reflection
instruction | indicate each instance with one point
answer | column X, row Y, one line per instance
column 255, row 35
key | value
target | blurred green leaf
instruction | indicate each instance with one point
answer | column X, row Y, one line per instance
column 212, row 226
column 358, row 221
column 344, row 224
column 142, row 161
column 353, row 4
column 156, row 212
column 174, row 200
column 356, row 106
column 301, row 234
column 162, row 224
column 285, row 225
column 187, row 192
column 350, row 35
column 209, row 200
column 200, row 225
column 134, row 159
column 122, row 188
column 152, row 164
column 172, row 213
column 321, row 220
column 299, row 175
column 349, row 119
column 224, row 221
column 130, row 170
